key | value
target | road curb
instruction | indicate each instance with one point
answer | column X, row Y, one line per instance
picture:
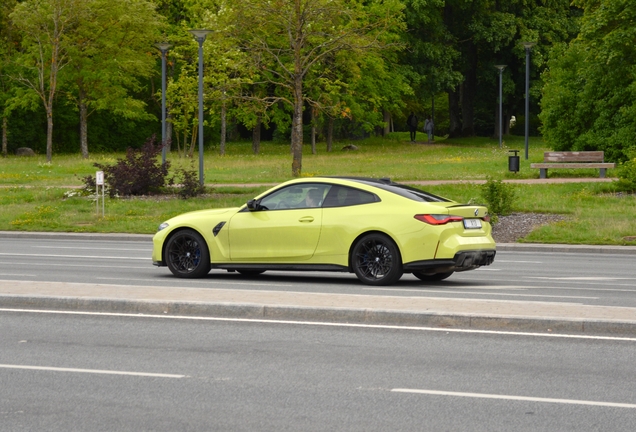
column 326, row 315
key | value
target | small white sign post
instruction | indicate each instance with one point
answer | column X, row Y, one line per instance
column 99, row 181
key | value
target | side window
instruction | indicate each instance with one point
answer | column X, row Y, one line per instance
column 341, row 196
column 304, row 195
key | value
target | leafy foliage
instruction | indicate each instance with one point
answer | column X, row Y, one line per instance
column 627, row 175
column 140, row 173
column 188, row 183
column 589, row 100
column 500, row 197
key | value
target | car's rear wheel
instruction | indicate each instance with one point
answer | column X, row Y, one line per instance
column 432, row 277
column 376, row 260
column 187, row 255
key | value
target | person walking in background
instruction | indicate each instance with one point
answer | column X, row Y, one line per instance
column 412, row 124
column 428, row 128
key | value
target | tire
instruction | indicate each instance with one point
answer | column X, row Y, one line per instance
column 376, row 260
column 251, row 273
column 432, row 277
column 187, row 255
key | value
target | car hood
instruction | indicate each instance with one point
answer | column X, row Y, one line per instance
column 204, row 213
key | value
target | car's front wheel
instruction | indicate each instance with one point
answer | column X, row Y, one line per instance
column 432, row 277
column 187, row 255
column 376, row 260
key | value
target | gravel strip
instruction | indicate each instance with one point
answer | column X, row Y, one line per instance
column 511, row 228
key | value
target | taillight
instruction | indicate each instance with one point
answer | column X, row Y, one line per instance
column 438, row 219
column 486, row 218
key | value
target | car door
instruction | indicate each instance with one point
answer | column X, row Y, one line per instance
column 283, row 229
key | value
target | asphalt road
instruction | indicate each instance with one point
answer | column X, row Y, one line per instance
column 72, row 372
column 582, row 278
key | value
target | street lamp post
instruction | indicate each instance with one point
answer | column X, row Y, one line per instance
column 500, row 68
column 527, row 46
column 163, row 47
column 200, row 36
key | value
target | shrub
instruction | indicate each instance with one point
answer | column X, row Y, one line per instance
column 140, row 173
column 188, row 182
column 499, row 197
column 627, row 175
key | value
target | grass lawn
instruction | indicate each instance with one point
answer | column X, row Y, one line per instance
column 37, row 196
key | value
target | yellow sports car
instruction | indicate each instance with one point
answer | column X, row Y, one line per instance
column 374, row 228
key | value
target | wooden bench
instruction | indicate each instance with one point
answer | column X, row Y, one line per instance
column 580, row 159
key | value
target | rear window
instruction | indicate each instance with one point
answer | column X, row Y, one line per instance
column 342, row 196
column 405, row 191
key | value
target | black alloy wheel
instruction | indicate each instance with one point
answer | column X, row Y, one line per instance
column 436, row 277
column 376, row 260
column 187, row 255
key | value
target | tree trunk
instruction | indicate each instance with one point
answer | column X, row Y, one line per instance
column 4, row 135
column 297, row 128
column 330, row 123
column 468, row 95
column 506, row 123
column 193, row 140
column 313, row 131
column 256, row 135
column 83, row 111
column 49, row 133
column 169, row 132
column 223, row 129
column 453, row 113
column 496, row 134
column 387, row 122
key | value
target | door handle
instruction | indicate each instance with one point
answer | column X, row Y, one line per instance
column 306, row 219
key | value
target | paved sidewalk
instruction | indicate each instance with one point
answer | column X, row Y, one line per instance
column 295, row 306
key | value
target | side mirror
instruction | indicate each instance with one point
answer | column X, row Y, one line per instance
column 252, row 205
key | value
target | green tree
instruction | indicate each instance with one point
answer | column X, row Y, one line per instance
column 589, row 100
column 454, row 45
column 287, row 39
column 46, row 26
column 110, row 51
column 7, row 41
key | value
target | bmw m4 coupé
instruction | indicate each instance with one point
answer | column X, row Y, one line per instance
column 375, row 228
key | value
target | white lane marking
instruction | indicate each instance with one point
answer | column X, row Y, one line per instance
column 91, row 371
column 603, row 283
column 577, row 288
column 77, row 265
column 488, row 269
column 92, row 248
column 580, row 278
column 77, row 256
column 207, row 282
column 17, row 274
column 424, row 291
column 516, row 398
column 321, row 324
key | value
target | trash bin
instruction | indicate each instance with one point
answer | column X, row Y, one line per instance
column 513, row 161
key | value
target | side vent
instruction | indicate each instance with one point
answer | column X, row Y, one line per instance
column 217, row 228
